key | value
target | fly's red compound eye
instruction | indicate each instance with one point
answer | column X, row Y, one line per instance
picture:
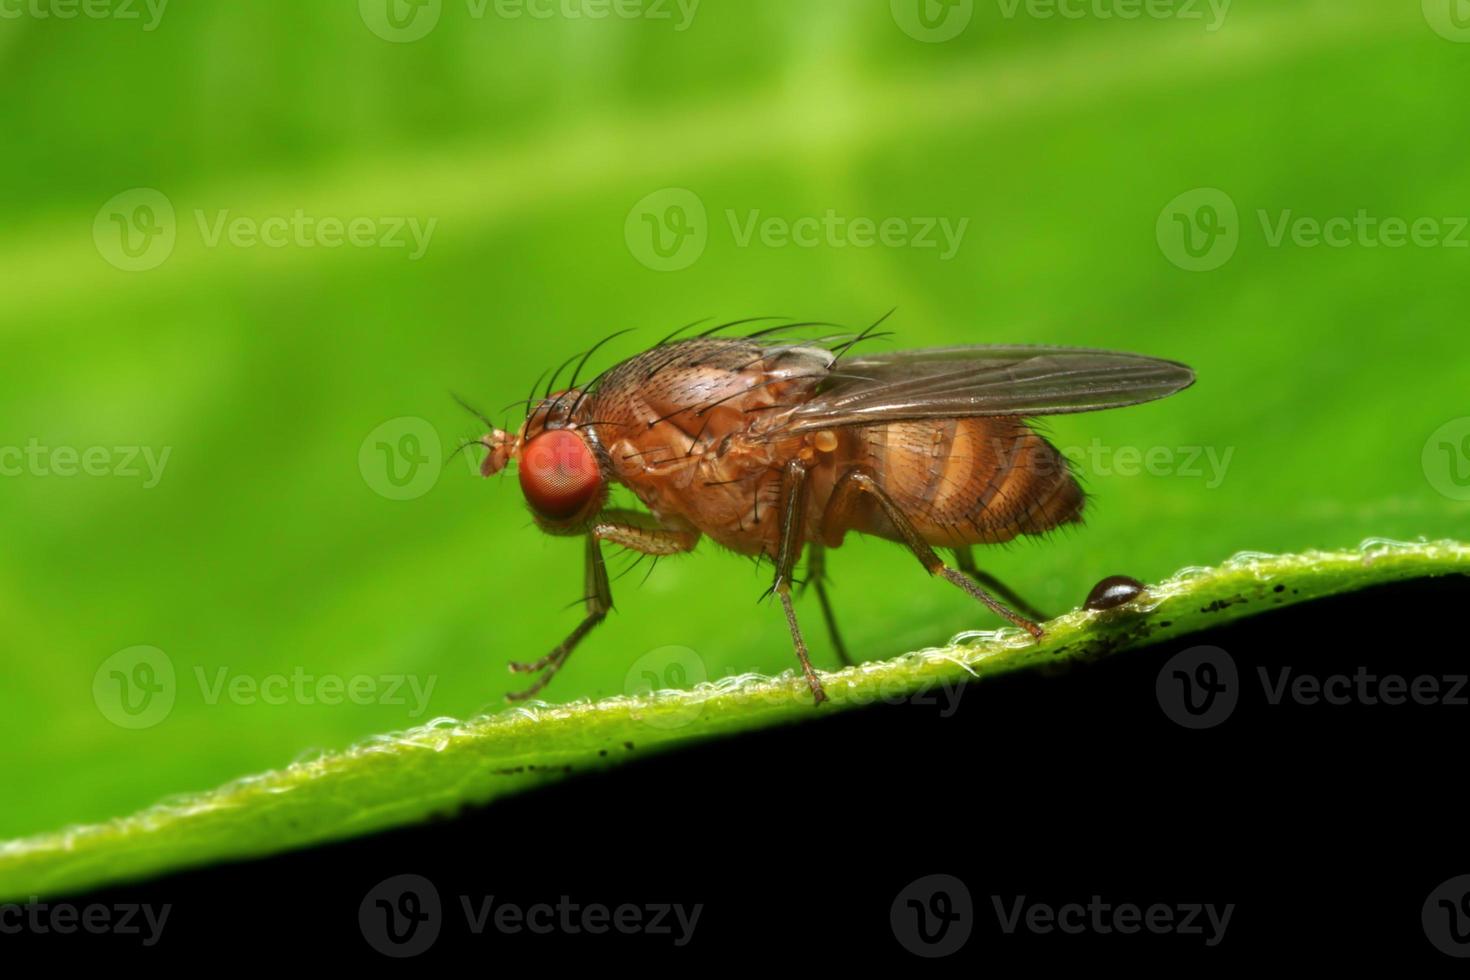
column 559, row 475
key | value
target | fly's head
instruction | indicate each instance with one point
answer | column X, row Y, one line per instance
column 557, row 461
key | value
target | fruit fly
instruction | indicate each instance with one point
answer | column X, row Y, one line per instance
column 775, row 447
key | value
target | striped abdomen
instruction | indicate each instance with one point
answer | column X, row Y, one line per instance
column 964, row 481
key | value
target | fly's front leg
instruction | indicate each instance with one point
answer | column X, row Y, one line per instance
column 793, row 536
column 860, row 481
column 642, row 533
column 965, row 558
column 599, row 602
column 630, row 529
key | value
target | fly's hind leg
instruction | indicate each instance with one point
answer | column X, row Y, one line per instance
column 631, row 529
column 859, row 480
column 965, row 558
column 793, row 536
column 816, row 576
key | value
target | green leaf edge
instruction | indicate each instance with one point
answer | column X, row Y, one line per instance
column 437, row 768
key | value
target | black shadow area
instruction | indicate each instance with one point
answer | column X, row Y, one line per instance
column 1050, row 805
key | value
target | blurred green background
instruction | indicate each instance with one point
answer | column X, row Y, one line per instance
column 271, row 544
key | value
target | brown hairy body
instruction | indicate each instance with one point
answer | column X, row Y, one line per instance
column 685, row 429
column 778, row 449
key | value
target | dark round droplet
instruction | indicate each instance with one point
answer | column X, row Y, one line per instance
column 1113, row 591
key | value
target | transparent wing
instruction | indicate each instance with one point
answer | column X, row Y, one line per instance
column 962, row 382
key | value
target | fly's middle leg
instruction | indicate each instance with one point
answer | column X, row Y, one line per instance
column 793, row 536
column 631, row 530
column 965, row 558
column 859, row 480
column 816, row 576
